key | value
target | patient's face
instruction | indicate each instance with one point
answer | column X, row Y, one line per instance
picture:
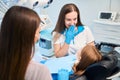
column 78, row 54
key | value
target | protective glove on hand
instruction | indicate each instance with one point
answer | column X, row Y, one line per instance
column 79, row 29
column 69, row 35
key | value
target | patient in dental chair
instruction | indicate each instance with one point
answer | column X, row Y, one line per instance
column 92, row 65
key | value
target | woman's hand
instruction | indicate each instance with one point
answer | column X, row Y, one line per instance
column 79, row 29
column 69, row 35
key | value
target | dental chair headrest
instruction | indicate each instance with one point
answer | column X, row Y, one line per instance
column 102, row 69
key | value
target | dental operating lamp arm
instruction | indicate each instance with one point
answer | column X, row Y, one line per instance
column 27, row 3
column 35, row 3
column 3, row 8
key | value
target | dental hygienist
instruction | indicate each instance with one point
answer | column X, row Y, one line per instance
column 70, row 35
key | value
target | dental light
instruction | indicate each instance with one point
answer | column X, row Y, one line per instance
column 33, row 4
column 5, row 4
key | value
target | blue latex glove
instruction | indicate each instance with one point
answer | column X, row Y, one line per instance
column 69, row 34
column 79, row 29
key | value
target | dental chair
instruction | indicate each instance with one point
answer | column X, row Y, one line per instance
column 106, row 69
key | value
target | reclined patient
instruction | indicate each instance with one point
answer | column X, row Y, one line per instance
column 92, row 65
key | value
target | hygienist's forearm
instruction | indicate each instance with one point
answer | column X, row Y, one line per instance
column 62, row 51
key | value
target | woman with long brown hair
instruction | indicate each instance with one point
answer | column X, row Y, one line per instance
column 93, row 65
column 87, row 56
column 70, row 35
column 19, row 31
